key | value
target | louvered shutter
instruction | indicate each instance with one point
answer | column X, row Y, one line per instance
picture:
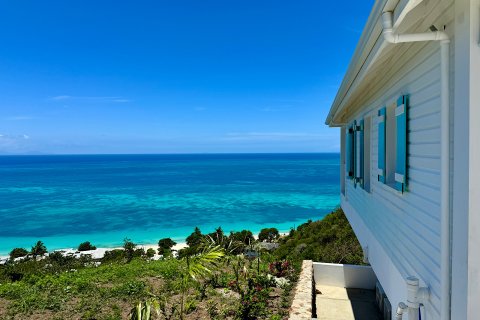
column 349, row 153
column 358, row 135
column 382, row 114
column 401, row 161
column 361, row 154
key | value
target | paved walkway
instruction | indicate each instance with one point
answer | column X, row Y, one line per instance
column 335, row 303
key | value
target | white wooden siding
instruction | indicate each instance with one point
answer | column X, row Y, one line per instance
column 407, row 225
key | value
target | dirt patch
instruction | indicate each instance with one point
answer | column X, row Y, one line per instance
column 3, row 308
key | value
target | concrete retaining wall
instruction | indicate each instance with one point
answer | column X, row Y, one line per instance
column 344, row 275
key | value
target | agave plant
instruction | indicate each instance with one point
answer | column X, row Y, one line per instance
column 143, row 310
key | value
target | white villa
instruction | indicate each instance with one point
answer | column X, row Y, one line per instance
column 409, row 113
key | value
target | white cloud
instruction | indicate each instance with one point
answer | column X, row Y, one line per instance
column 91, row 98
column 275, row 136
column 276, row 108
column 61, row 97
column 14, row 144
column 289, row 100
column 14, row 136
column 18, row 118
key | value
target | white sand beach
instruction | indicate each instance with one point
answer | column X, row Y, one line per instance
column 99, row 253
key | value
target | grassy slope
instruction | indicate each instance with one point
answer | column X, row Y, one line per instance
column 329, row 240
column 105, row 292
column 50, row 291
column 111, row 290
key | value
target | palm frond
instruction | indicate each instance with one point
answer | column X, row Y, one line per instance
column 200, row 264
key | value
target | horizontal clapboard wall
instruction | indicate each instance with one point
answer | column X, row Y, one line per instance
column 407, row 225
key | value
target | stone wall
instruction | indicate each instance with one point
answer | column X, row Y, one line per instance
column 302, row 305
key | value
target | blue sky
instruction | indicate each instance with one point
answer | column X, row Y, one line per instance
column 173, row 76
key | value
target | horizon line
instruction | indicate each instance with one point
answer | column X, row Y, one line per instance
column 152, row 154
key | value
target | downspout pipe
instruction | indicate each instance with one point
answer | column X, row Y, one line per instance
column 391, row 37
column 401, row 309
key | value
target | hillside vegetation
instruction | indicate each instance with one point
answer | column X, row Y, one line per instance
column 328, row 240
column 211, row 279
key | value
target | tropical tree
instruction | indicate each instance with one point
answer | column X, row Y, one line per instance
column 194, row 267
column 241, row 240
column 86, row 246
column 268, row 234
column 17, row 253
column 195, row 239
column 165, row 246
column 38, row 249
column 129, row 248
column 217, row 235
column 150, row 253
column 244, row 236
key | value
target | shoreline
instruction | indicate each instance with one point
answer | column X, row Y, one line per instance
column 100, row 251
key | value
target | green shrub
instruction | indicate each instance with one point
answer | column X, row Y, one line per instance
column 39, row 249
column 195, row 238
column 150, row 253
column 268, row 234
column 244, row 236
column 165, row 246
column 217, row 235
column 17, row 253
column 86, row 246
column 130, row 249
column 328, row 240
column 190, row 305
column 114, row 255
column 253, row 301
column 131, row 288
column 59, row 261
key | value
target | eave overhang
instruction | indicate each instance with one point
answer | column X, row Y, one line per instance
column 368, row 50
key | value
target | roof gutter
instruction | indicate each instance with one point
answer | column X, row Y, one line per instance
column 391, row 37
column 344, row 92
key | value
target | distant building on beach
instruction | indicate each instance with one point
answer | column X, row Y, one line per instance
column 409, row 113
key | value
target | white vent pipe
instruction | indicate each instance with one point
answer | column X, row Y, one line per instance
column 391, row 37
column 402, row 307
column 416, row 295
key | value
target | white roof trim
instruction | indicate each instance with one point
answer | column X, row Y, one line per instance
column 369, row 48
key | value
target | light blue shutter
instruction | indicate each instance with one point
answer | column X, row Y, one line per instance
column 362, row 153
column 382, row 115
column 349, row 153
column 358, row 145
column 401, row 161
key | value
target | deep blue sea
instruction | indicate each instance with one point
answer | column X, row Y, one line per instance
column 65, row 200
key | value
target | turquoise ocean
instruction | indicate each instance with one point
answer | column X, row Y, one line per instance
column 64, row 200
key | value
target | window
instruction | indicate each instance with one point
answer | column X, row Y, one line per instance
column 401, row 126
column 342, row 161
column 381, row 173
column 392, row 144
column 358, row 170
column 356, row 159
column 367, row 127
column 349, row 154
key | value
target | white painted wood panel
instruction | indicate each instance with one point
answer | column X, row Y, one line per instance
column 407, row 225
